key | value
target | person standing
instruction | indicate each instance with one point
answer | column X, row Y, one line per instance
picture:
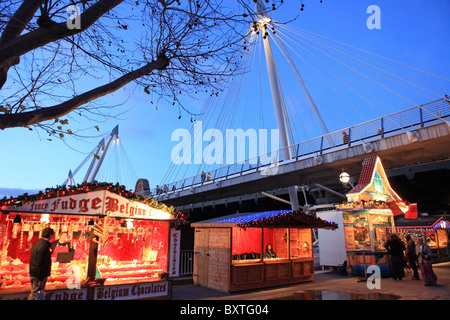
column 395, row 247
column 426, row 263
column 412, row 256
column 40, row 263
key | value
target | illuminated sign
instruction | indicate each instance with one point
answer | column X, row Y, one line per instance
column 101, row 202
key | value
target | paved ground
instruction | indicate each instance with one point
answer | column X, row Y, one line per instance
column 405, row 289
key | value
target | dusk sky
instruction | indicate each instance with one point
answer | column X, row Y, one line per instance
column 414, row 33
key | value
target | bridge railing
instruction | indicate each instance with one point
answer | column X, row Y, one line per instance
column 406, row 120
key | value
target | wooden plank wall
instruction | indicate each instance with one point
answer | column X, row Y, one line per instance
column 219, row 258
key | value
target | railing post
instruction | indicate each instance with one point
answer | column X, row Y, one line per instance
column 421, row 117
column 321, row 145
column 349, row 137
column 382, row 127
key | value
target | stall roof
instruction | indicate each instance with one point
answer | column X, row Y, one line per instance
column 423, row 222
column 279, row 218
column 367, row 183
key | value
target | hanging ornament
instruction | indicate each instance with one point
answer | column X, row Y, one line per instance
column 21, row 239
column 30, row 233
column 16, row 229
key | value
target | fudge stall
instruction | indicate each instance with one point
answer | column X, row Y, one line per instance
column 255, row 250
column 112, row 244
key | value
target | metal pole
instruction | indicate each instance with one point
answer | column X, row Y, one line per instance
column 277, row 102
column 279, row 113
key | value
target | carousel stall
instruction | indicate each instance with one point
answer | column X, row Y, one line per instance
column 255, row 250
column 108, row 244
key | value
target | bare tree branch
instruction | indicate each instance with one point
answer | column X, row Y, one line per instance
column 169, row 49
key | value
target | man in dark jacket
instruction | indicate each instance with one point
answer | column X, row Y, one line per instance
column 40, row 263
column 412, row 256
column 395, row 247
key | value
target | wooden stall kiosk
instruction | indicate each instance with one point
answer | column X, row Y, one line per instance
column 117, row 244
column 367, row 220
column 435, row 229
column 231, row 253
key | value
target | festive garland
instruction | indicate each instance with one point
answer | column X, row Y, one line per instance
column 371, row 204
column 288, row 215
column 91, row 187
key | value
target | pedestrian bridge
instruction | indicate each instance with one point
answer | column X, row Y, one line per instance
column 415, row 135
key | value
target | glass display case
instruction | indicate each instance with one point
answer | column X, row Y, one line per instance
column 301, row 244
column 381, row 226
column 367, row 230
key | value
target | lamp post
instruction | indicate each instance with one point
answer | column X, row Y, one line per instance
column 344, row 178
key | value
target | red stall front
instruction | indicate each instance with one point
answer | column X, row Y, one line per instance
column 108, row 244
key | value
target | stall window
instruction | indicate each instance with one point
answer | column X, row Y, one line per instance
column 246, row 244
column 134, row 250
column 356, row 230
column 275, row 243
column 431, row 238
column 300, row 243
column 381, row 227
column 442, row 238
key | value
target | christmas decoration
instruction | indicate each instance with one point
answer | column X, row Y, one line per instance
column 90, row 187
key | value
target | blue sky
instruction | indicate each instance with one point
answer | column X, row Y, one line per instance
column 415, row 33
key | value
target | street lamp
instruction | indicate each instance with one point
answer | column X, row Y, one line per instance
column 344, row 178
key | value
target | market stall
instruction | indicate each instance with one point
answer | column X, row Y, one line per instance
column 367, row 219
column 115, row 244
column 255, row 250
column 433, row 228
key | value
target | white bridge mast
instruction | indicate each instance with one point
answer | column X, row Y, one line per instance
column 262, row 21
column 98, row 155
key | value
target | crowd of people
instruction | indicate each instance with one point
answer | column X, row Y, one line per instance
column 410, row 255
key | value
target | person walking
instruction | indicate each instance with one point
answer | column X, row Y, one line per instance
column 426, row 263
column 395, row 247
column 40, row 263
column 412, row 256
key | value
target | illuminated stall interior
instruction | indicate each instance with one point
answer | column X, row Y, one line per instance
column 435, row 229
column 232, row 252
column 132, row 248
